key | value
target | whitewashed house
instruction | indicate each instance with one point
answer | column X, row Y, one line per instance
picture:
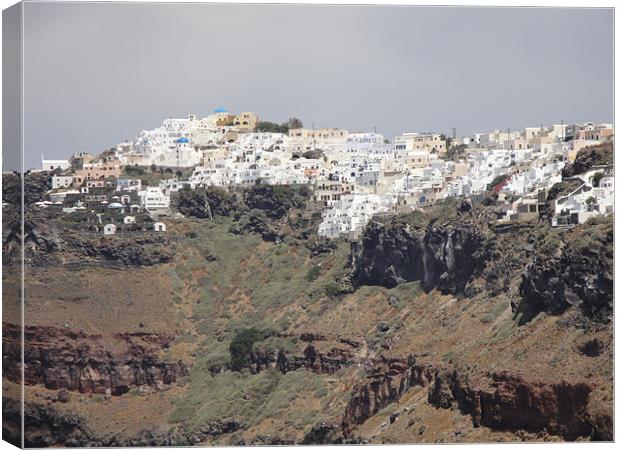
column 159, row 227
column 61, row 182
column 153, row 198
column 109, row 229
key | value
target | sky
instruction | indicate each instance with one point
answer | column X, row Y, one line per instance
column 97, row 74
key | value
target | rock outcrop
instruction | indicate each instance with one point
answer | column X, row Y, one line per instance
column 45, row 426
column 577, row 272
column 144, row 250
column 444, row 255
column 70, row 359
column 589, row 157
column 501, row 401
column 504, row 401
column 311, row 359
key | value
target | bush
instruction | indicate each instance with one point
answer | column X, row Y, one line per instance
column 331, row 289
column 241, row 346
column 498, row 180
column 313, row 273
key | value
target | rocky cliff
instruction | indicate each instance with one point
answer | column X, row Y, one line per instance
column 46, row 426
column 445, row 254
column 500, row 401
column 320, row 355
column 575, row 271
column 60, row 358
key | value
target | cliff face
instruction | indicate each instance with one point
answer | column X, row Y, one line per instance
column 577, row 271
column 320, row 355
column 71, row 359
column 444, row 255
column 500, row 401
column 47, row 427
column 311, row 359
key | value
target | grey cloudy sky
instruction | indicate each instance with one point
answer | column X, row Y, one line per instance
column 97, row 74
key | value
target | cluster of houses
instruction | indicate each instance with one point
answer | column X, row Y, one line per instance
column 354, row 175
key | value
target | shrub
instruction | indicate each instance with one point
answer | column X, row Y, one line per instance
column 313, row 273
column 241, row 346
column 331, row 289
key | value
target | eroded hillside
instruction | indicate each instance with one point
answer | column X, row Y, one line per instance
column 241, row 327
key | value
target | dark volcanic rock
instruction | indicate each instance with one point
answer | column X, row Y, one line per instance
column 311, row 359
column 444, row 255
column 577, row 272
column 44, row 426
column 144, row 250
column 323, row 433
column 588, row 157
column 592, row 348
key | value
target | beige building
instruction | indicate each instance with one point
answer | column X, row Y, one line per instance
column 431, row 142
column 302, row 139
column 597, row 134
column 417, row 159
column 246, row 121
column 96, row 171
column 330, row 191
column 212, row 155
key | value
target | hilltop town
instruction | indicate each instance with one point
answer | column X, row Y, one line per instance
column 354, row 176
column 231, row 281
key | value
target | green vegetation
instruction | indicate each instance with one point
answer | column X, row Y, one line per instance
column 331, row 289
column 596, row 179
column 454, row 153
column 252, row 286
column 272, row 127
column 313, row 273
column 587, row 158
column 241, row 346
column 152, row 175
column 497, row 181
column 254, row 398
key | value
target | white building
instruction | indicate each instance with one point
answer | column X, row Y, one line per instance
column 585, row 202
column 349, row 215
column 61, row 182
column 153, row 198
column 159, row 227
column 53, row 164
column 109, row 229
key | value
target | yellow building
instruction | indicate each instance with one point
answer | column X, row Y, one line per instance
column 431, row 142
column 246, row 121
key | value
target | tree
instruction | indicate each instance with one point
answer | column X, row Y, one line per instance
column 241, row 346
column 294, row 122
column 596, row 179
column 271, row 127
